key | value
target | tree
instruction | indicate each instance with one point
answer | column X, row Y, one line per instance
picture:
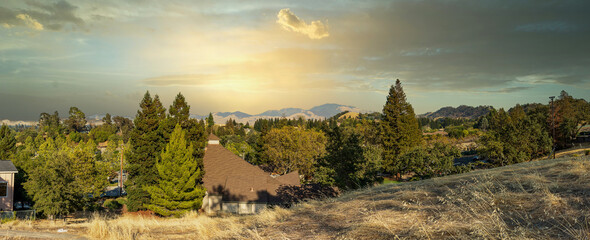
column 289, row 149
column 432, row 161
column 124, row 126
column 106, row 120
column 90, row 175
column 77, row 120
column 146, row 140
column 210, row 123
column 50, row 124
column 514, row 136
column 570, row 116
column 178, row 114
column 52, row 183
column 7, row 142
column 346, row 156
column 399, row 128
column 179, row 188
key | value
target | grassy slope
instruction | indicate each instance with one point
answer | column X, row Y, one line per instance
column 537, row 200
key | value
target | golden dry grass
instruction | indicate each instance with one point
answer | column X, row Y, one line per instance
column 546, row 199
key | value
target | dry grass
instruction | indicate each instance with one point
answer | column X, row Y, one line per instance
column 546, row 199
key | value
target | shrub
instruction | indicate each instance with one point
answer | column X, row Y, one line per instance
column 112, row 204
column 587, row 152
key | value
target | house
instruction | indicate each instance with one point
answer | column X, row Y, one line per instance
column 236, row 186
column 7, row 172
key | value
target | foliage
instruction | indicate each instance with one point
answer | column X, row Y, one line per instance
column 146, row 142
column 62, row 179
column 50, row 124
column 515, row 136
column 179, row 187
column 178, row 113
column 426, row 162
column 570, row 115
column 291, row 149
column 210, row 123
column 76, row 121
column 399, row 128
column 238, row 145
column 124, row 126
column 346, row 157
column 7, row 143
column 103, row 132
column 112, row 204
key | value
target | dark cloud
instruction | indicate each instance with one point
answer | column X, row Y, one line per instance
column 471, row 44
column 53, row 16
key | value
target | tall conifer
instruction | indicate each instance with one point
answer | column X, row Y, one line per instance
column 399, row 128
column 178, row 189
column 146, row 140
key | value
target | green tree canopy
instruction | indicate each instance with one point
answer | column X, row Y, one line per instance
column 288, row 149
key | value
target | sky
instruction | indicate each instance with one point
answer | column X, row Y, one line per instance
column 252, row 56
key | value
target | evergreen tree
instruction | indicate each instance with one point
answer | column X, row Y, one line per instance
column 346, row 157
column 210, row 123
column 7, row 143
column 146, row 140
column 179, row 114
column 179, row 188
column 399, row 128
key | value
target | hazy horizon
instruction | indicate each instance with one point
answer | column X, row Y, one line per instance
column 227, row 56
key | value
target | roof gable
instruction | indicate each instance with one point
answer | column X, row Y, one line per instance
column 6, row 166
column 237, row 180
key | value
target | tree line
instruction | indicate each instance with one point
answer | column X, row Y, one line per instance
column 61, row 170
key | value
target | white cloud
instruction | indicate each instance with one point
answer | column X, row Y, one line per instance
column 289, row 21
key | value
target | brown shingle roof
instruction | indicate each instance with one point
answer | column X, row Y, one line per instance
column 6, row 166
column 237, row 180
column 213, row 137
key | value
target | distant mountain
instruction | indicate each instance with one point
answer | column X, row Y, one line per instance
column 318, row 112
column 462, row 111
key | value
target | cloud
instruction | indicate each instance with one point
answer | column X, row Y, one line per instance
column 30, row 22
column 41, row 16
column 289, row 21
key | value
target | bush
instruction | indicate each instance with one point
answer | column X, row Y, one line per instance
column 587, row 152
column 112, row 204
column 290, row 195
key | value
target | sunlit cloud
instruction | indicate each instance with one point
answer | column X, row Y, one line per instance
column 289, row 21
column 30, row 22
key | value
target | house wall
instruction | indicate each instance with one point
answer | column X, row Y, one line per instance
column 211, row 203
column 242, row 207
column 6, row 202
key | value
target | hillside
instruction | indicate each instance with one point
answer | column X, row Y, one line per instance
column 318, row 112
column 462, row 111
column 546, row 199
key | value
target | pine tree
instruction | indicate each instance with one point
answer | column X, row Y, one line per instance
column 7, row 143
column 210, row 123
column 399, row 128
column 146, row 140
column 179, row 113
column 178, row 189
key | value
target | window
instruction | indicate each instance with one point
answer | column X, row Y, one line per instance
column 3, row 189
